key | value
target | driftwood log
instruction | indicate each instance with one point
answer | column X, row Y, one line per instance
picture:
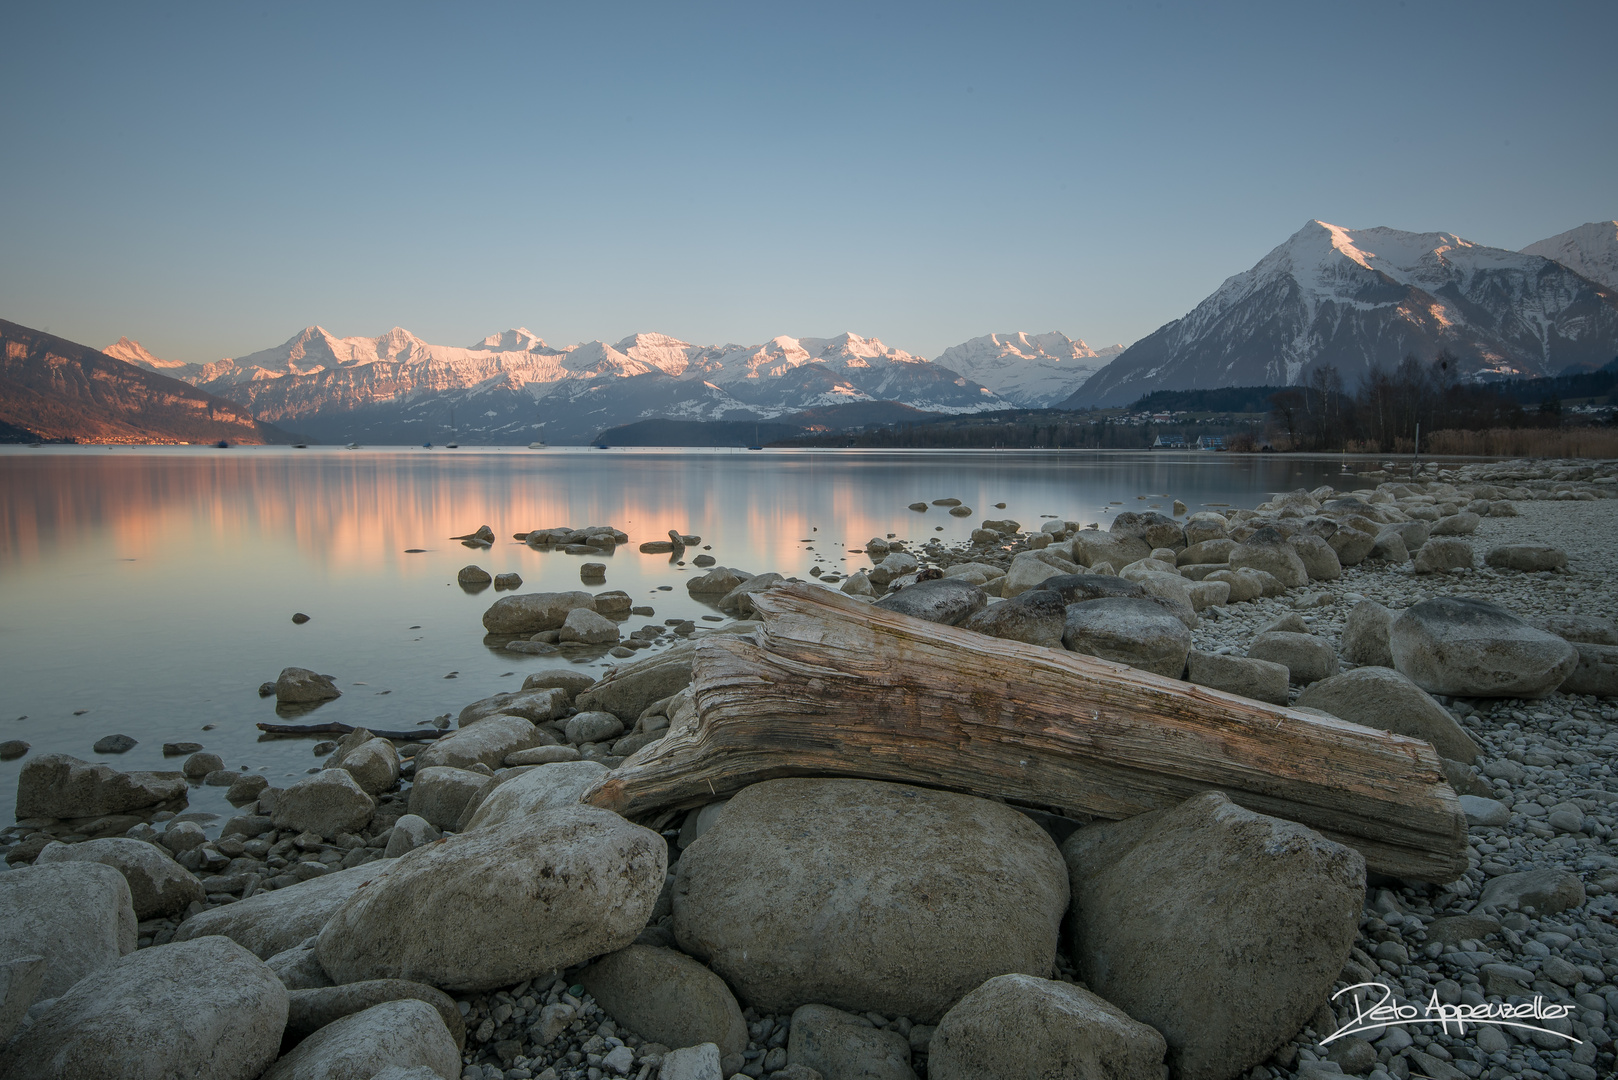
column 829, row 686
column 290, row 730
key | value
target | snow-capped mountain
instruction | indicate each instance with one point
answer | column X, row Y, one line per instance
column 398, row 388
column 1591, row 250
column 1030, row 370
column 1357, row 298
column 132, row 352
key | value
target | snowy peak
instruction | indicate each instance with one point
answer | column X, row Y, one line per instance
column 518, row 339
column 132, row 352
column 1590, row 250
column 667, row 354
column 1030, row 370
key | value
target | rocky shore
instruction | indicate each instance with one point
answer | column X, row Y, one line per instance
column 455, row 904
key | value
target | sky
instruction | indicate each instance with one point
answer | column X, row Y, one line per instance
column 209, row 179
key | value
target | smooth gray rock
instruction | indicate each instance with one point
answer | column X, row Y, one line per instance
column 627, row 690
column 1206, row 551
column 739, row 602
column 329, row 802
column 299, row 968
column 569, row 682
column 157, row 884
column 300, row 686
column 486, row 742
column 473, row 575
column 1138, row 632
column 1481, row 811
column 401, row 1033
column 537, row 705
column 311, row 1009
column 1352, row 545
column 440, row 794
column 588, row 628
column 1306, row 657
column 810, row 891
column 1036, row 617
column 1244, row 585
column 1091, row 546
column 1544, row 892
column 699, row 1062
column 374, row 765
column 1019, row 1025
column 1379, row 697
column 527, row 798
column 62, row 786
column 1596, row 672
column 594, row 726
column 205, row 1008
column 201, row 764
column 716, row 582
column 1029, row 571
column 1267, row 550
column 1366, row 633
column 529, row 613
column 1155, row 530
column 1413, row 533
column 844, row 1047
column 1168, row 587
column 1580, row 629
column 1221, row 928
column 77, row 915
column 588, row 879
column 267, row 923
column 1261, row 680
column 1390, row 547
column 1077, row 588
column 1464, row 523
column 944, row 600
column 1526, row 557
column 410, row 832
column 1320, row 560
column 666, row 997
column 1444, row 553
column 1471, row 648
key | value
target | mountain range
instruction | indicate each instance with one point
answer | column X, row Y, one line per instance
column 1362, row 298
column 397, row 388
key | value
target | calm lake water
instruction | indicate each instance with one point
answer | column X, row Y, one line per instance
column 149, row 591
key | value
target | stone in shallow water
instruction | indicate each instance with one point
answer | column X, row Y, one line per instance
column 113, row 744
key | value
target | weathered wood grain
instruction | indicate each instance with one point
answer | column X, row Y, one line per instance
column 834, row 687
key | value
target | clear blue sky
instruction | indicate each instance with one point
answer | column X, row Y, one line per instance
column 209, row 179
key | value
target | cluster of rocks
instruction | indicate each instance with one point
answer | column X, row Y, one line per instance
column 578, row 623
column 591, row 540
column 455, row 909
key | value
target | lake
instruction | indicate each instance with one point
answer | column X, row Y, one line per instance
column 149, row 591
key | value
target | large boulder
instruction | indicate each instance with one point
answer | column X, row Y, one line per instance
column 371, row 761
column 1539, row 892
column 1472, row 648
column 1596, row 673
column 1526, row 557
column 1028, row 571
column 1077, row 588
column 1244, row 585
column 839, row 892
column 1379, row 697
column 587, row 881
column 942, row 600
column 77, row 915
column 1320, row 560
column 486, row 742
column 537, row 705
column 1139, row 632
column 157, row 884
column 1463, row 523
column 313, row 1008
column 666, row 997
column 1221, row 928
column 1366, row 633
column 585, row 627
column 62, row 786
column 300, row 686
column 1206, row 551
column 268, row 923
column 1019, row 1025
column 441, row 794
column 830, row 1043
column 1443, row 553
column 1268, row 550
column 1413, row 533
column 1306, row 657
column 1206, row 525
column 1172, row 590
column 1036, row 617
column 739, row 601
column 1154, row 529
column 527, row 798
column 398, row 1033
column 626, row 691
column 205, row 1008
column 1353, row 546
column 1261, row 680
column 329, row 802
column 529, row 613
column 1091, row 546
column 716, row 582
